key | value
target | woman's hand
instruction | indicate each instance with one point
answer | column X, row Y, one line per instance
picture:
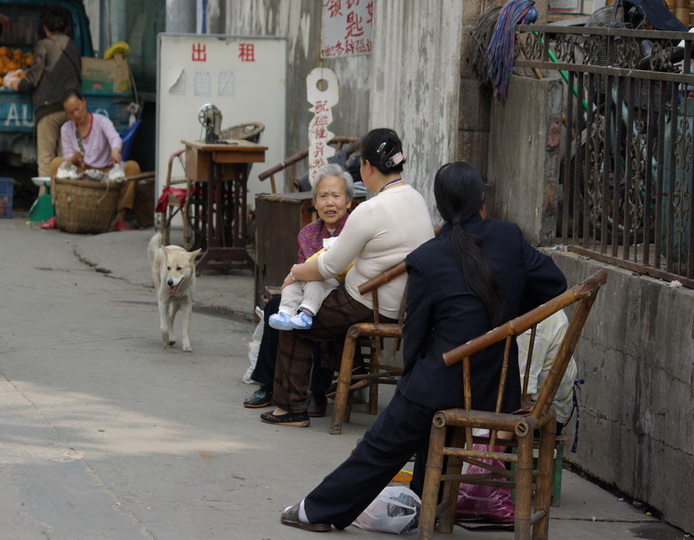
column 77, row 159
column 116, row 155
column 291, row 278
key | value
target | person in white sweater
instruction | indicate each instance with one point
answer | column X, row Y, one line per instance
column 379, row 234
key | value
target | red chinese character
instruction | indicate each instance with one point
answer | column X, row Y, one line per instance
column 321, row 107
column 334, row 8
column 247, row 52
column 316, row 163
column 352, row 3
column 354, row 28
column 370, row 11
column 320, row 120
column 199, row 52
column 321, row 133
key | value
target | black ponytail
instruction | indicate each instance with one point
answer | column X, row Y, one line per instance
column 459, row 192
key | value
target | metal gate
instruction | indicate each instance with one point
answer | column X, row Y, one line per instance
column 628, row 165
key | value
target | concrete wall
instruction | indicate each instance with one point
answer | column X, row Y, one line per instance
column 524, row 157
column 300, row 21
column 636, row 355
column 415, row 82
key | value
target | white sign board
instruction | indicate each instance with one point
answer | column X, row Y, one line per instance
column 346, row 28
column 244, row 76
column 322, row 91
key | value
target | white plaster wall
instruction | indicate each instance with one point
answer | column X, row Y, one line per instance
column 415, row 74
column 299, row 21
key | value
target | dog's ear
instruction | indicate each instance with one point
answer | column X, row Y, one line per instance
column 194, row 254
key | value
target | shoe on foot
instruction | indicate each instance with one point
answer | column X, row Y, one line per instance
column 50, row 223
column 317, row 405
column 121, row 225
column 287, row 419
column 301, row 321
column 262, row 397
column 280, row 321
column 290, row 517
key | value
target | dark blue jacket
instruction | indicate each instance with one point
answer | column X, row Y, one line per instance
column 442, row 313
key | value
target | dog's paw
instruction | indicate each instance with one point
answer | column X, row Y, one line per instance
column 187, row 349
column 172, row 342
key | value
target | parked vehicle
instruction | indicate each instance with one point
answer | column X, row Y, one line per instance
column 17, row 40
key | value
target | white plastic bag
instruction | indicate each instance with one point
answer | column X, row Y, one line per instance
column 394, row 510
column 254, row 348
column 116, row 174
column 67, row 170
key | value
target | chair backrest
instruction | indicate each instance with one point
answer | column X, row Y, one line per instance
column 582, row 294
column 128, row 139
column 348, row 144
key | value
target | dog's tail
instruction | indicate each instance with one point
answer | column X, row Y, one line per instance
column 154, row 244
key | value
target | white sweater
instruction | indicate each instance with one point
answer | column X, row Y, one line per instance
column 379, row 234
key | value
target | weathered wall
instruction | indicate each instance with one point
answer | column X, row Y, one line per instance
column 523, row 171
column 415, row 80
column 474, row 140
column 299, row 21
column 636, row 355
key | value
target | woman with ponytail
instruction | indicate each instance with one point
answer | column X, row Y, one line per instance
column 475, row 274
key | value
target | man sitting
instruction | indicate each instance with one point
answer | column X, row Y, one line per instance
column 90, row 141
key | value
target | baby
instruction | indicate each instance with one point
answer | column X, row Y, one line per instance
column 302, row 300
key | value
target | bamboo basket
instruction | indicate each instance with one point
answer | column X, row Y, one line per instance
column 85, row 206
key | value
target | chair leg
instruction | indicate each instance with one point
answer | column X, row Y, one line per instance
column 524, row 487
column 449, row 497
column 376, row 348
column 544, row 481
column 557, row 473
column 432, row 477
column 344, row 380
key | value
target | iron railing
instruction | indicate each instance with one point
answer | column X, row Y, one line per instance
column 628, row 161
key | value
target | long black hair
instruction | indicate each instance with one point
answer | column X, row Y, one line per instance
column 383, row 149
column 459, row 193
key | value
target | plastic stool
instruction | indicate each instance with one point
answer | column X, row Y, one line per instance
column 42, row 209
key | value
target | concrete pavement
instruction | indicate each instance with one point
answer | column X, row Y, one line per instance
column 104, row 434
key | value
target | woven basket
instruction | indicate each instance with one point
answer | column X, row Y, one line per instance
column 85, row 206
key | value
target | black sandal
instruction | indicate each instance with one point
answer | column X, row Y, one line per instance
column 290, row 517
column 288, row 419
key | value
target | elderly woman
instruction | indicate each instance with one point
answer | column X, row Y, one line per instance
column 380, row 233
column 333, row 192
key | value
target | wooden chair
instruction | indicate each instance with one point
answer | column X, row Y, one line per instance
column 192, row 205
column 378, row 371
column 348, row 144
column 451, row 441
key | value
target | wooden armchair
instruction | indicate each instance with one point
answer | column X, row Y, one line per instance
column 451, row 441
column 378, row 371
column 348, row 144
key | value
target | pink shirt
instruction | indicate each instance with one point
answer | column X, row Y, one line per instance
column 98, row 143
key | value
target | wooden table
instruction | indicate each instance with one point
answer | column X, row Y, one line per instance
column 220, row 171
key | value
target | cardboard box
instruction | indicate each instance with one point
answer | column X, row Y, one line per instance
column 106, row 75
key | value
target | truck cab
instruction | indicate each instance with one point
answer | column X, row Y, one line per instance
column 20, row 32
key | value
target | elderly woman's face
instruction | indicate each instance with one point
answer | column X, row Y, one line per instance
column 331, row 199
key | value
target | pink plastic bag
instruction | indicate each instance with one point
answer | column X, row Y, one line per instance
column 486, row 502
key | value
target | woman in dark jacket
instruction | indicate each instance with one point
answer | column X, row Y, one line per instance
column 472, row 277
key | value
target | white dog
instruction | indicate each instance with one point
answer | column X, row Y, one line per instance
column 173, row 276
